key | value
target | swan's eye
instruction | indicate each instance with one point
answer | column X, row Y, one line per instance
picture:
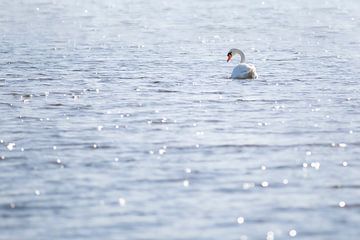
column 229, row 54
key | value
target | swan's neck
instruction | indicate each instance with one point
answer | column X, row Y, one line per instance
column 241, row 53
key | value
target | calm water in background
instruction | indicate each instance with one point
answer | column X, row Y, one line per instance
column 119, row 120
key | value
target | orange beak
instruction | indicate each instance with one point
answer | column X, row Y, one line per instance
column 229, row 58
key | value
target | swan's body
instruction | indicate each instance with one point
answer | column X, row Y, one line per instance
column 243, row 70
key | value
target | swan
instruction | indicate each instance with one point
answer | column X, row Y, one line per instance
column 243, row 70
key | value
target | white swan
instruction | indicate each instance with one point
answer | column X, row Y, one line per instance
column 243, row 70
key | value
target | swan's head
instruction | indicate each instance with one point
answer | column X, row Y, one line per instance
column 235, row 51
column 229, row 56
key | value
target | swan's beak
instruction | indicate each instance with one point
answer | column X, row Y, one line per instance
column 229, row 57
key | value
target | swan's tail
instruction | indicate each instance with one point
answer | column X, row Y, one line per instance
column 252, row 73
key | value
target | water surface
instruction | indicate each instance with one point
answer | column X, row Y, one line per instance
column 119, row 120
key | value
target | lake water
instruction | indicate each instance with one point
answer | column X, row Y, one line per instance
column 119, row 120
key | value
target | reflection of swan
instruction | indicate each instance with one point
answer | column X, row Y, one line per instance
column 243, row 70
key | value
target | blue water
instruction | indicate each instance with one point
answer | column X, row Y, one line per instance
column 119, row 120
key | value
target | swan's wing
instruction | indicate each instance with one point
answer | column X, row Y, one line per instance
column 252, row 72
column 240, row 71
column 244, row 71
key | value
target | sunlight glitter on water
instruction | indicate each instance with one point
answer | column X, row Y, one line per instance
column 119, row 120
